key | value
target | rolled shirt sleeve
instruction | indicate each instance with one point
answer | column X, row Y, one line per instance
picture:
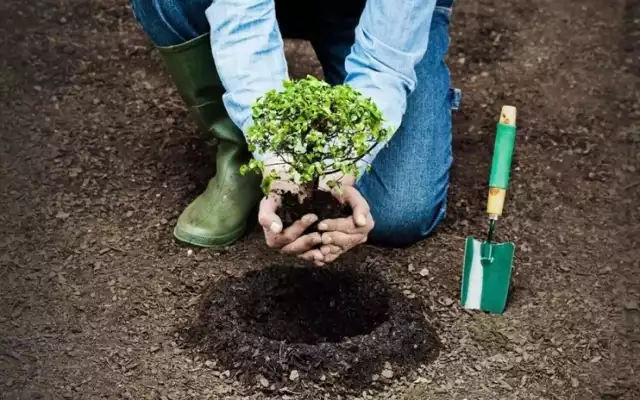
column 390, row 40
column 248, row 50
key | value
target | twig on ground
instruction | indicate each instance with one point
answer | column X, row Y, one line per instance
column 631, row 186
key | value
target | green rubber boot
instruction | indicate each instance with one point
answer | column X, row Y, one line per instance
column 218, row 216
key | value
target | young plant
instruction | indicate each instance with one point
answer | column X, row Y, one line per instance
column 315, row 129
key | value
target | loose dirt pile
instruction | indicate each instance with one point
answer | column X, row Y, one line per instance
column 281, row 326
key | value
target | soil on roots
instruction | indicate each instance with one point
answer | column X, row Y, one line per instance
column 323, row 204
column 338, row 327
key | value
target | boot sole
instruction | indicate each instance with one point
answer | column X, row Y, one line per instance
column 209, row 241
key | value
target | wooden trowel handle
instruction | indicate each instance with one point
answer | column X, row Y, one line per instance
column 501, row 162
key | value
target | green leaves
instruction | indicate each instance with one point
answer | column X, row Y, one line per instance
column 253, row 165
column 318, row 128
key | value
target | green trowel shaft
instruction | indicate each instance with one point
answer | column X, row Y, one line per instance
column 503, row 152
column 501, row 166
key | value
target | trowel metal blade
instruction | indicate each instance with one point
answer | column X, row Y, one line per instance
column 486, row 275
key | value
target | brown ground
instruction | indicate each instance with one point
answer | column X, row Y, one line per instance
column 98, row 158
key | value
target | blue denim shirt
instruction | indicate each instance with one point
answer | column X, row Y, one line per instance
column 390, row 39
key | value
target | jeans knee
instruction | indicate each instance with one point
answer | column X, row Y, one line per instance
column 401, row 224
column 144, row 12
column 148, row 17
column 170, row 22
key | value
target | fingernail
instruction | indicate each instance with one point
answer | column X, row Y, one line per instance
column 275, row 227
column 361, row 220
column 309, row 219
column 322, row 226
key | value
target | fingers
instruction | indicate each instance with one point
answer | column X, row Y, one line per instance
column 347, row 225
column 312, row 255
column 342, row 240
column 302, row 244
column 267, row 216
column 272, row 225
column 339, row 234
column 294, row 231
column 330, row 249
column 361, row 220
column 331, row 252
column 331, row 258
column 358, row 204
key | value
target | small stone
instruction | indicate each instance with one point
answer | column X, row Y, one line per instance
column 484, row 74
column 63, row 20
column 62, row 215
column 387, row 373
column 375, row 377
column 189, row 252
column 294, row 375
column 164, row 221
column 410, row 268
column 153, row 349
column 263, row 381
column 574, row 382
column 210, row 363
column 596, row 359
column 424, row 272
column 631, row 305
column 446, row 301
column 129, row 214
column 73, row 172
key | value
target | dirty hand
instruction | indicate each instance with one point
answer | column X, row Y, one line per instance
column 290, row 240
column 342, row 234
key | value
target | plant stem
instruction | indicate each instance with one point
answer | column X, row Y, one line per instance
column 308, row 189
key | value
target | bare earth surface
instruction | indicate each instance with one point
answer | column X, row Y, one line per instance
column 98, row 158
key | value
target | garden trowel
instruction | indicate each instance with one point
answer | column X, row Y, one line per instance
column 486, row 275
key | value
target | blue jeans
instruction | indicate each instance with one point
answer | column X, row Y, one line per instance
column 408, row 182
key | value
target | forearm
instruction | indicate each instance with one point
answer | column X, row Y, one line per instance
column 248, row 51
column 391, row 39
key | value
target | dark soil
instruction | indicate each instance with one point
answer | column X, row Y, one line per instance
column 323, row 204
column 337, row 327
column 98, row 157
